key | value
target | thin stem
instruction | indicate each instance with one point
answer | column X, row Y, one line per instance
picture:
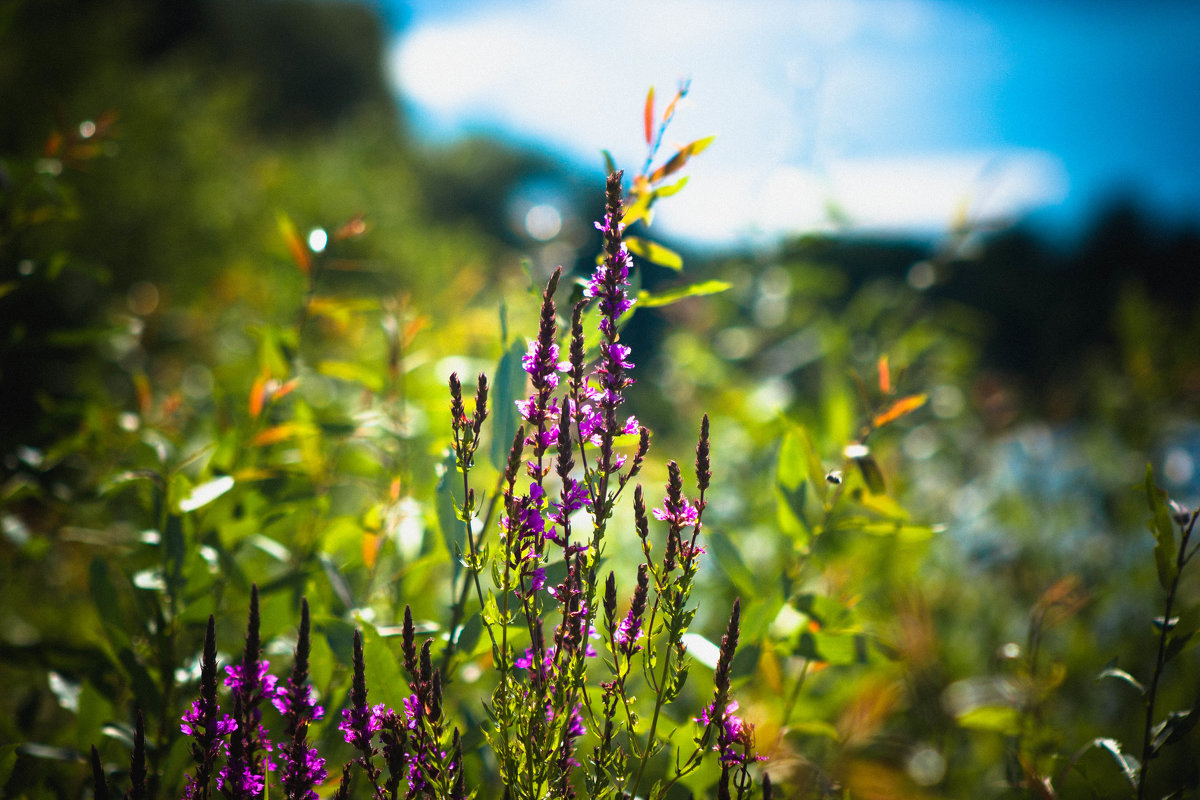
column 1161, row 659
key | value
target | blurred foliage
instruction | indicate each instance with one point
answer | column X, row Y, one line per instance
column 231, row 289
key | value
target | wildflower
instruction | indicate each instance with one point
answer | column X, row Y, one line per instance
column 679, row 513
column 200, row 721
column 303, row 768
column 630, row 629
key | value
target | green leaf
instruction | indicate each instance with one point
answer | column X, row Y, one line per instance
column 701, row 649
column 996, row 718
column 449, row 498
column 872, row 474
column 1123, row 676
column 670, row 189
column 680, row 158
column 647, row 300
column 1177, row 725
column 1178, row 642
column 104, row 595
column 727, row 557
column 1163, row 529
column 507, row 381
column 8, row 760
column 832, row 616
column 654, row 252
column 351, row 372
column 610, row 166
column 383, row 671
column 206, row 493
column 1128, row 764
column 832, row 648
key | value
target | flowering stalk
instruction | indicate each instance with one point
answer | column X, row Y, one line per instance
column 244, row 776
column 303, row 768
column 201, row 722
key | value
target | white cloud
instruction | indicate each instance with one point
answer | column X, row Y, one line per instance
column 813, row 102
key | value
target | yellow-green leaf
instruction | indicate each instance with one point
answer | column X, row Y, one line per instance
column 647, row 300
column 654, row 252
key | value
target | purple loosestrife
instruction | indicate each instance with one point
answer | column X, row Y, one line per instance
column 540, row 409
column 361, row 722
column 303, row 768
column 201, row 723
column 735, row 737
column 598, row 419
column 250, row 684
column 630, row 630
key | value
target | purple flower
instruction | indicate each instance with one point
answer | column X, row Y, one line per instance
column 359, row 724
column 298, row 700
column 537, row 579
column 240, row 782
column 679, row 513
column 611, row 277
column 735, row 739
column 256, row 687
column 541, row 362
column 307, row 772
column 193, row 722
column 629, row 631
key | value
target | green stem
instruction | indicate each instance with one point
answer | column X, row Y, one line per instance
column 1161, row 660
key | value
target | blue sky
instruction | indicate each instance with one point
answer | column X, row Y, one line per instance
column 904, row 114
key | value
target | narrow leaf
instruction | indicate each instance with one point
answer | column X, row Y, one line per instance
column 205, row 493
column 1128, row 764
column 1163, row 529
column 654, row 252
column 680, row 158
column 647, row 300
column 508, row 381
column 872, row 474
column 648, row 116
column 1123, row 676
column 905, row 405
column 296, row 247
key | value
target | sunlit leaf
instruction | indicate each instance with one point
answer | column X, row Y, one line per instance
column 702, row 289
column 508, row 382
column 998, row 719
column 654, row 253
column 903, row 406
column 833, row 648
column 449, row 500
column 296, row 246
column 1174, row 727
column 670, row 189
column 368, row 377
column 610, row 166
column 1123, row 676
column 281, row 433
column 680, row 158
column 206, row 493
column 648, row 116
column 258, row 394
column 702, row 650
column 1128, row 764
